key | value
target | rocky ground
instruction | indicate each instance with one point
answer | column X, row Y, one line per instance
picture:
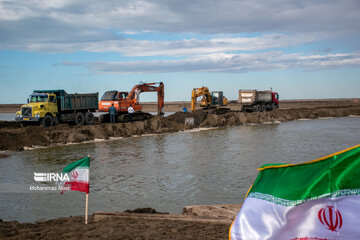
column 14, row 137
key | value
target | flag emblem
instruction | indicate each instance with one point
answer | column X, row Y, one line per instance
column 75, row 174
column 79, row 175
column 331, row 218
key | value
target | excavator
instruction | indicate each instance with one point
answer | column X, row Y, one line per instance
column 123, row 100
column 208, row 101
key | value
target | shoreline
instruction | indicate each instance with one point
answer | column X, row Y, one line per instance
column 13, row 137
column 3, row 153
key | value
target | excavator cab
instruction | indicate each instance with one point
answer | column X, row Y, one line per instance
column 122, row 95
column 109, row 96
column 114, row 95
column 218, row 99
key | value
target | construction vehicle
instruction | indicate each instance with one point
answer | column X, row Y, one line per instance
column 258, row 101
column 123, row 100
column 208, row 101
column 50, row 107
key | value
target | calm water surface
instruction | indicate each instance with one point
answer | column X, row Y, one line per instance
column 7, row 116
column 167, row 172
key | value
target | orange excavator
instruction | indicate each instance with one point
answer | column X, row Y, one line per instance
column 123, row 100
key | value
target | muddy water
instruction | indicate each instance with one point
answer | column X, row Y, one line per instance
column 7, row 116
column 169, row 171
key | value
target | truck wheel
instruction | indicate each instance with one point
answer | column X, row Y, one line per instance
column 47, row 121
column 89, row 118
column 274, row 106
column 258, row 108
column 56, row 121
column 263, row 108
column 79, row 119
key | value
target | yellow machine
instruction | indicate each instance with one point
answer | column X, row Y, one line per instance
column 38, row 106
column 213, row 100
column 50, row 107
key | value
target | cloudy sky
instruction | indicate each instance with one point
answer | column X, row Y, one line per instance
column 300, row 48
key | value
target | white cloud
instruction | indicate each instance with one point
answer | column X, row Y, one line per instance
column 58, row 26
column 226, row 63
column 27, row 22
column 185, row 47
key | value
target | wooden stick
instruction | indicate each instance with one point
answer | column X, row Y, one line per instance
column 87, row 198
column 86, row 208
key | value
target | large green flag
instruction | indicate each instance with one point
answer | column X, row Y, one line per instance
column 319, row 199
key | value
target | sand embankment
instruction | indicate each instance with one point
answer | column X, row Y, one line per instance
column 13, row 137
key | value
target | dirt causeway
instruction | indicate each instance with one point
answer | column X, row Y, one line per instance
column 14, row 137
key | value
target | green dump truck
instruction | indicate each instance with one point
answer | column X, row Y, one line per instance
column 50, row 107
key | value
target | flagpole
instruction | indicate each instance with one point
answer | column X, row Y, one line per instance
column 87, row 200
column 86, row 208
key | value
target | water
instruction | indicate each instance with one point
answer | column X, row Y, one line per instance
column 169, row 171
column 7, row 116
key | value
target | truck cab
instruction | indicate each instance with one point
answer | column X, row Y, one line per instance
column 275, row 98
column 39, row 105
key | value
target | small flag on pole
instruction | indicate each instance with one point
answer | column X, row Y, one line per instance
column 79, row 179
column 78, row 173
column 319, row 199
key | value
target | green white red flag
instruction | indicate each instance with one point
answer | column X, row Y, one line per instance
column 318, row 200
column 78, row 173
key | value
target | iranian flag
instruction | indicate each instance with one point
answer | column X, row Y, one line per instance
column 78, row 173
column 318, row 200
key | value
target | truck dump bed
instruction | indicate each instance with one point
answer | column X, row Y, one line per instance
column 78, row 101
column 75, row 101
column 249, row 97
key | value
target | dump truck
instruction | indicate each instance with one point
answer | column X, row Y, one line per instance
column 258, row 101
column 50, row 107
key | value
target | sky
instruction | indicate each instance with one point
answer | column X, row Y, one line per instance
column 302, row 49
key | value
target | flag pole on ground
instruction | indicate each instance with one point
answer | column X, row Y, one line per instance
column 78, row 173
column 87, row 202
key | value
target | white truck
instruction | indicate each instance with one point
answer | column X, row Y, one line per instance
column 258, row 101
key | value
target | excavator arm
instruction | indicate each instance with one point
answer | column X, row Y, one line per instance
column 149, row 87
column 198, row 92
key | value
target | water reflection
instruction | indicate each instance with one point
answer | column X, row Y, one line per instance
column 169, row 171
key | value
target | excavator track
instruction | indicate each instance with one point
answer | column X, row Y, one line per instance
column 137, row 116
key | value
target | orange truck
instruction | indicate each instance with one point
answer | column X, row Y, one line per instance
column 123, row 100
